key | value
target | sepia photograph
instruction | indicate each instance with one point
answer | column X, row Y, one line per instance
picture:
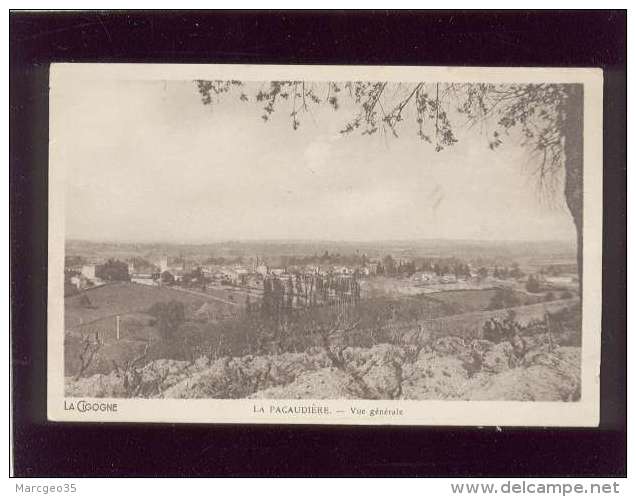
column 324, row 244
column 378, row 244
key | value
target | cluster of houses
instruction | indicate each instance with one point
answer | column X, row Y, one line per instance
column 254, row 274
column 80, row 277
column 174, row 270
column 169, row 270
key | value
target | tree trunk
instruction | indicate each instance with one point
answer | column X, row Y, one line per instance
column 573, row 148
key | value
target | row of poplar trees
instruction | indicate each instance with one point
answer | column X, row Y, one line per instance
column 282, row 296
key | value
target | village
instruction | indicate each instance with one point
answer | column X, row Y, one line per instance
column 248, row 274
column 178, row 271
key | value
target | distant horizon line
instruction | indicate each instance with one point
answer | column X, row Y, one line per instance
column 318, row 240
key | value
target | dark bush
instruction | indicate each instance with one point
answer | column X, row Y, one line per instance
column 169, row 315
column 112, row 270
column 532, row 285
column 504, row 298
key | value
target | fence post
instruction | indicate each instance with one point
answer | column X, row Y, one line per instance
column 117, row 327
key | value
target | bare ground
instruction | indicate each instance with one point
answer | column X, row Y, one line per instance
column 449, row 368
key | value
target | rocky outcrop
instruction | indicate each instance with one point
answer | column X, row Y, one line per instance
column 446, row 368
column 548, row 376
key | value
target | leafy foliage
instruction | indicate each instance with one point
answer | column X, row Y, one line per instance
column 169, row 315
column 533, row 285
column 436, row 109
column 112, row 270
column 503, row 299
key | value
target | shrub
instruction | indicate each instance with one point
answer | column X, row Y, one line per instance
column 112, row 270
column 532, row 285
column 504, row 298
column 169, row 315
column 84, row 301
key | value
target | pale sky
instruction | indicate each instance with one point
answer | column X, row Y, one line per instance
column 147, row 161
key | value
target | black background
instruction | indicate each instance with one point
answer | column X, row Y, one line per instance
column 547, row 38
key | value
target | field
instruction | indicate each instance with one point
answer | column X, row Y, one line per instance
column 93, row 313
column 398, row 287
column 470, row 324
column 128, row 298
column 462, row 301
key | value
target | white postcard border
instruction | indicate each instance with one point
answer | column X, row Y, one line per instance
column 421, row 412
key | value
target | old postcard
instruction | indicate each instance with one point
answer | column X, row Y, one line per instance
column 325, row 244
